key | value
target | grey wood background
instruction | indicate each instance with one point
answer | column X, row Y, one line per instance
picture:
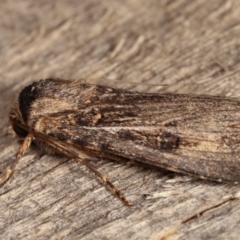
column 184, row 46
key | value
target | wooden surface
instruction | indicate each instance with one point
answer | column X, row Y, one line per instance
column 184, row 46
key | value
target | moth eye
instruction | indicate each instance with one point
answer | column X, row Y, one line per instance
column 19, row 131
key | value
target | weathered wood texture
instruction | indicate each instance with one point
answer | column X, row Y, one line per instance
column 186, row 46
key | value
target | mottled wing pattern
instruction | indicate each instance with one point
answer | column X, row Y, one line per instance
column 196, row 135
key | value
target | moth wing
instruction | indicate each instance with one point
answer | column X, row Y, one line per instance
column 196, row 135
column 202, row 155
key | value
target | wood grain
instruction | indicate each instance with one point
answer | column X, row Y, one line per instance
column 183, row 46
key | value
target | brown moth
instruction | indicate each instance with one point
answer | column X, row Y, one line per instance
column 190, row 134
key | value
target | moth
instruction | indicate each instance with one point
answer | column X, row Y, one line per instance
column 198, row 135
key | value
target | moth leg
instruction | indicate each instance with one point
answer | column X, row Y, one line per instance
column 84, row 160
column 74, row 153
column 105, row 181
column 10, row 170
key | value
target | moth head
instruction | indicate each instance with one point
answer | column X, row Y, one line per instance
column 17, row 124
column 21, row 110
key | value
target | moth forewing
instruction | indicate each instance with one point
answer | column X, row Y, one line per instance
column 191, row 134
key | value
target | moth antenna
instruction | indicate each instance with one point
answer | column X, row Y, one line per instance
column 10, row 170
